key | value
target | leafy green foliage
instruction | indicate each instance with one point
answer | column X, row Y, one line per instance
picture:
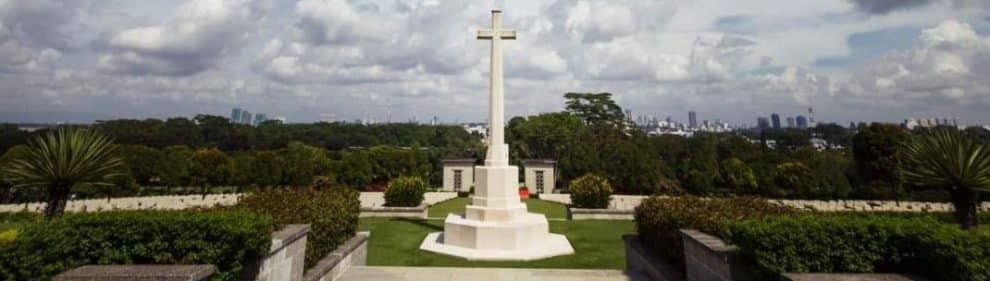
column 862, row 243
column 405, row 192
column 227, row 239
column 331, row 213
column 659, row 219
column 877, row 150
column 948, row 159
column 210, row 167
column 63, row 159
column 590, row 191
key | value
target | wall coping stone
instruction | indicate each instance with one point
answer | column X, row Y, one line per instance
column 334, row 258
column 287, row 235
column 713, row 243
column 138, row 273
column 847, row 277
column 385, row 209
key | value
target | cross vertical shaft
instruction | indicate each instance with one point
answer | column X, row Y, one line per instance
column 498, row 152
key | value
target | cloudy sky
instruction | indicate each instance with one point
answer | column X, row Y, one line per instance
column 308, row 59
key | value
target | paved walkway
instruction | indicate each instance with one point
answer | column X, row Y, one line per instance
column 369, row 273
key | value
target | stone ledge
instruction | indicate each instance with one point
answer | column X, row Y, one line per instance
column 286, row 236
column 599, row 214
column 707, row 257
column 138, row 273
column 641, row 259
column 404, row 212
column 847, row 277
column 331, row 266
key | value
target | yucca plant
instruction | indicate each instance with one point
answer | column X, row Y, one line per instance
column 63, row 159
column 948, row 159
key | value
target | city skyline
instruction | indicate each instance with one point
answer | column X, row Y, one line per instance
column 402, row 60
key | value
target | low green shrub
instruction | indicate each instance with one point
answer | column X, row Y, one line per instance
column 405, row 192
column 921, row 245
column 331, row 213
column 590, row 191
column 659, row 219
column 227, row 239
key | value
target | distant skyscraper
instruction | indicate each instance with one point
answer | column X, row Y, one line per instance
column 763, row 123
column 790, row 122
column 246, row 117
column 802, row 122
column 235, row 115
column 692, row 119
column 260, row 118
column 776, row 120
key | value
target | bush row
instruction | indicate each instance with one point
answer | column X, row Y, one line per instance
column 405, row 192
column 659, row 219
column 331, row 213
column 227, row 239
column 918, row 244
column 590, row 191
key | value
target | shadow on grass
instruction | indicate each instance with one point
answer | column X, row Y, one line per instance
column 421, row 222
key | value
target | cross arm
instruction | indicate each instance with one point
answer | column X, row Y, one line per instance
column 504, row 34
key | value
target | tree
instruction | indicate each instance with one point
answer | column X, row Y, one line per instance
column 63, row 159
column 266, row 170
column 950, row 160
column 599, row 111
column 11, row 135
column 7, row 192
column 210, row 167
column 833, row 134
column 175, row 166
column 738, row 177
column 304, row 163
column 141, row 162
column 876, row 149
column 796, row 178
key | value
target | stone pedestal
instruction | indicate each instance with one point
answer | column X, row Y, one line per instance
column 496, row 226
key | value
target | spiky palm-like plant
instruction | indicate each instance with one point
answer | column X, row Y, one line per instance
column 948, row 159
column 63, row 159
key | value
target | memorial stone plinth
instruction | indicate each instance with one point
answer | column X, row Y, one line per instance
column 497, row 226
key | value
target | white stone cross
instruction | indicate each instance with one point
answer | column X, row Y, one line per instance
column 498, row 152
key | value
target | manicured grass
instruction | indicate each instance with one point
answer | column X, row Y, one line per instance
column 550, row 209
column 597, row 244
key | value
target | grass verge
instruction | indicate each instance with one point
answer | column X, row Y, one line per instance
column 597, row 245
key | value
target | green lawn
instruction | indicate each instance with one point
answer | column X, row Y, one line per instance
column 550, row 209
column 395, row 242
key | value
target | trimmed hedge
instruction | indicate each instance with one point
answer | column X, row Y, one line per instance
column 405, row 192
column 659, row 219
column 331, row 213
column 814, row 243
column 227, row 239
column 590, row 191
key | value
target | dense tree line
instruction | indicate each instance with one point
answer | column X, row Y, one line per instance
column 591, row 135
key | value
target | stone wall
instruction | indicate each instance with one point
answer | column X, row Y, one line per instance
column 639, row 258
column 708, row 258
column 286, row 259
column 180, row 202
column 629, row 202
column 177, row 202
column 354, row 252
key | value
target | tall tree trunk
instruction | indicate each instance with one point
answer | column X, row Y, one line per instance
column 58, row 196
column 965, row 200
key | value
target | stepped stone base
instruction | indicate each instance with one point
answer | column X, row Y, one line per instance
column 523, row 239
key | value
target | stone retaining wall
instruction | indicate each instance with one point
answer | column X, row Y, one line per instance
column 395, row 212
column 599, row 214
column 354, row 252
column 180, row 202
column 286, row 258
column 629, row 202
column 639, row 258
